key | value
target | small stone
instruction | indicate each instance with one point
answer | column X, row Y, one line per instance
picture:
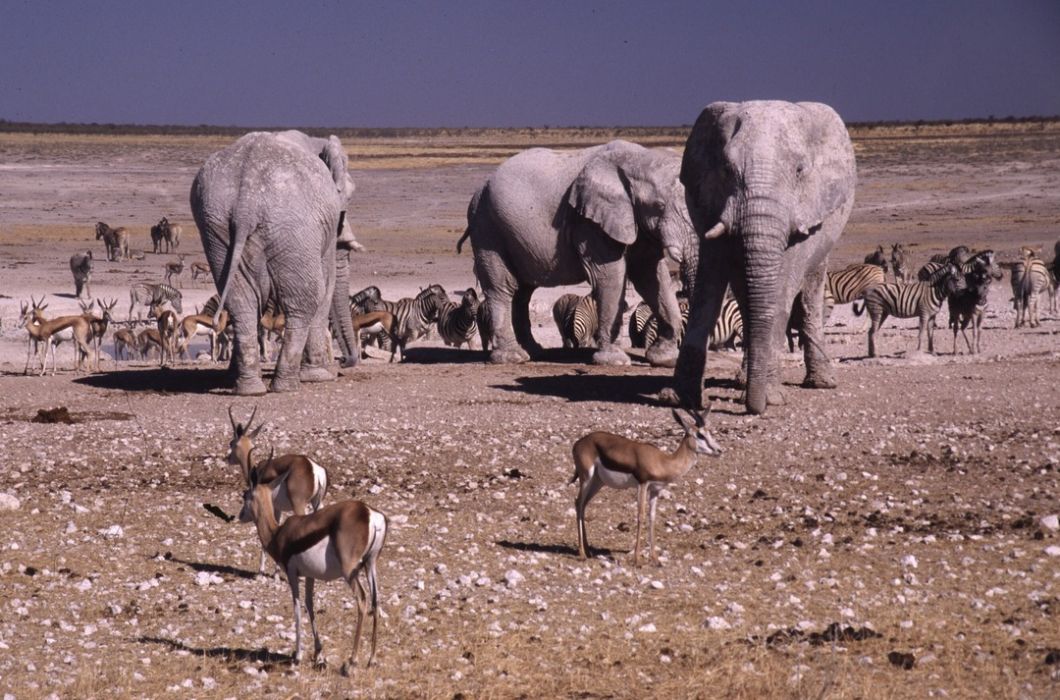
column 9, row 502
column 647, row 629
column 909, row 561
column 1050, row 522
column 513, row 578
column 1053, row 550
column 718, row 623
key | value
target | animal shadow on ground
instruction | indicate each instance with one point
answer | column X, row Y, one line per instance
column 541, row 548
column 214, row 568
column 592, row 387
column 230, row 654
column 442, row 355
column 160, row 380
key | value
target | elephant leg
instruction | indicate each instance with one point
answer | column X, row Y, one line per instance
column 521, row 320
column 608, row 291
column 652, row 283
column 289, row 359
column 315, row 367
column 245, row 365
column 498, row 286
column 712, row 277
column 819, row 373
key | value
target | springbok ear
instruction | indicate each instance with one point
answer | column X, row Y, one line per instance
column 601, row 194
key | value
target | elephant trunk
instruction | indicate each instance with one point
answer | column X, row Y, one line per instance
column 764, row 235
column 340, row 309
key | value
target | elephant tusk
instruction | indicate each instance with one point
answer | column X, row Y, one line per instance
column 716, row 231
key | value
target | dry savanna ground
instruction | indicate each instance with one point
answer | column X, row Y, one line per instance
column 895, row 537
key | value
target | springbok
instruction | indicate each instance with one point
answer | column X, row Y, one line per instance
column 341, row 540
column 298, row 483
column 176, row 269
column 192, row 325
column 605, row 459
column 46, row 334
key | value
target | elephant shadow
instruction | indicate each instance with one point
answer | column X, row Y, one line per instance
column 161, row 380
column 233, row 655
column 442, row 355
column 631, row 389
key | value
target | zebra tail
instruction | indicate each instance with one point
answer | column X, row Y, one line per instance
column 857, row 311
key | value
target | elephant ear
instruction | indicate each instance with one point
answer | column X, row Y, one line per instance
column 601, row 194
column 830, row 183
column 334, row 156
column 703, row 164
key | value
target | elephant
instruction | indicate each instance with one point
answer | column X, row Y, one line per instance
column 548, row 218
column 271, row 211
column 769, row 186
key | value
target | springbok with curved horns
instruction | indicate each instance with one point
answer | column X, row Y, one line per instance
column 341, row 540
column 605, row 459
column 298, row 483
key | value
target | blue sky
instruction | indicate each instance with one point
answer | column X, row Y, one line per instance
column 501, row 63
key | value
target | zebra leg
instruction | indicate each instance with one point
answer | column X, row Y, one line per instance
column 819, row 373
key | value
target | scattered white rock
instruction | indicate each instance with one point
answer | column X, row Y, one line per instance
column 718, row 623
column 112, row 533
column 909, row 561
column 1050, row 522
column 1053, row 550
column 647, row 629
column 513, row 578
column 9, row 502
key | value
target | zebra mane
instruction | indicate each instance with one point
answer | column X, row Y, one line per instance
column 942, row 273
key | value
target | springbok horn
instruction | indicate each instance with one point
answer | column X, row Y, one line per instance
column 232, row 418
column 716, row 231
column 252, row 414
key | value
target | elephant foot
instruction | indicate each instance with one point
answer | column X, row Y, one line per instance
column 774, row 396
column 316, row 374
column 662, row 354
column 610, row 355
column 819, row 380
column 510, row 356
column 281, row 385
column 249, row 386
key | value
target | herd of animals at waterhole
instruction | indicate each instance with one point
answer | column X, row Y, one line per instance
column 615, row 213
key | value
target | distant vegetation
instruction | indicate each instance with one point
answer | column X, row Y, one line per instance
column 580, row 132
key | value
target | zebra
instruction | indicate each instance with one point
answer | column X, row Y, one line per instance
column 359, row 304
column 851, row 282
column 899, row 262
column 145, row 294
column 920, row 299
column 157, row 236
column 877, row 258
column 1030, row 277
column 967, row 307
column 115, row 240
column 958, row 256
column 638, row 324
column 81, row 267
column 412, row 317
column 577, row 320
column 727, row 329
column 456, row 322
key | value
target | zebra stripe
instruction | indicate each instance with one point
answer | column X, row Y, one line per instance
column 920, row 299
column 577, row 320
column 848, row 284
column 484, row 320
column 968, row 306
column 638, row 322
column 456, row 322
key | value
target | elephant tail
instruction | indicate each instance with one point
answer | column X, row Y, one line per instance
column 472, row 214
column 238, row 235
column 460, row 243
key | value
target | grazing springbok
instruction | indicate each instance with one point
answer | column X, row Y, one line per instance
column 298, row 483
column 200, row 269
column 45, row 334
column 341, row 540
column 176, row 269
column 148, row 340
column 605, row 459
column 125, row 343
column 373, row 324
column 192, row 325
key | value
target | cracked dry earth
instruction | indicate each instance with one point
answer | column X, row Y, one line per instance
column 895, row 537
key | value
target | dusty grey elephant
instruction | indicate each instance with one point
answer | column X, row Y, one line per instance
column 271, row 210
column 548, row 218
column 770, row 186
